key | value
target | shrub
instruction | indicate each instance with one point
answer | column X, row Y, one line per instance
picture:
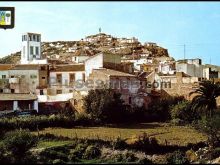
column 19, row 142
column 183, row 111
column 191, row 156
column 146, row 143
column 92, row 152
column 51, row 154
column 177, row 157
column 79, row 150
column 119, row 143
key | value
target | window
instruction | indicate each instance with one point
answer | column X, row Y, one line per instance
column 71, row 91
column 72, row 77
column 31, row 50
column 34, row 37
column 12, row 91
column 59, row 78
column 37, row 50
column 59, row 91
column 43, row 78
column 38, row 38
column 41, row 92
column 29, row 38
column 1, row 90
column 25, row 38
column 3, row 76
column 12, row 76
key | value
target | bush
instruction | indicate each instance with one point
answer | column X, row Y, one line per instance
column 146, row 143
column 211, row 127
column 177, row 157
column 19, row 142
column 79, row 150
column 92, row 152
column 52, row 154
column 183, row 111
column 159, row 109
column 119, row 144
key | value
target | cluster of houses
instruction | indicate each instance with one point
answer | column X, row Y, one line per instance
column 44, row 85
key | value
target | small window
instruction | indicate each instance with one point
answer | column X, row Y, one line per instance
column 37, row 50
column 3, row 76
column 38, row 38
column 12, row 91
column 59, row 91
column 71, row 91
column 31, row 50
column 34, row 38
column 43, row 78
column 72, row 77
column 12, row 76
column 41, row 92
column 1, row 90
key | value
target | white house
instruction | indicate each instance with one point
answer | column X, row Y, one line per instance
column 31, row 49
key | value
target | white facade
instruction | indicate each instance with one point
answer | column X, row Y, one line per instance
column 65, row 86
column 79, row 59
column 31, row 49
column 97, row 62
column 193, row 70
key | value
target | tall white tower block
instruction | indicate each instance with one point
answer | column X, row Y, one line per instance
column 31, row 49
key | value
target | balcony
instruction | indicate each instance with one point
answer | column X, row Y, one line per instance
column 14, row 80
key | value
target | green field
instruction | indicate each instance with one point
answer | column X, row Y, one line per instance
column 179, row 135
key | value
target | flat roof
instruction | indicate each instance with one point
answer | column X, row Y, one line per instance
column 17, row 96
column 68, row 68
column 110, row 72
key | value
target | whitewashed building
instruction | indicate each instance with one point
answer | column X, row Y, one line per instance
column 31, row 49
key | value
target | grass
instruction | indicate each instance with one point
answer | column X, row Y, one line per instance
column 165, row 134
column 48, row 144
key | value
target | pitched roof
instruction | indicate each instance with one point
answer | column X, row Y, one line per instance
column 17, row 96
column 68, row 68
column 5, row 67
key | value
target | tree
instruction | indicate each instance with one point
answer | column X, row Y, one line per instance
column 104, row 105
column 205, row 99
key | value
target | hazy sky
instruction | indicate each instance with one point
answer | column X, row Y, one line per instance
column 170, row 24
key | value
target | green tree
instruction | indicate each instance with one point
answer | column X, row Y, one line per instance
column 205, row 99
column 104, row 105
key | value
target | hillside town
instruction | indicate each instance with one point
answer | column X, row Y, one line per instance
column 50, row 76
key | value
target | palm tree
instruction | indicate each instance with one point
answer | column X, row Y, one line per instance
column 205, row 98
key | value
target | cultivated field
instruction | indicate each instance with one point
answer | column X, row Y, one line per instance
column 179, row 135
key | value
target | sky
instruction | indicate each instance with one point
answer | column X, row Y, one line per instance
column 169, row 24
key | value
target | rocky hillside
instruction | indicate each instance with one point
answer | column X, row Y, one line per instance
column 90, row 45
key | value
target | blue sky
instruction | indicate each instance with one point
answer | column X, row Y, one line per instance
column 170, row 24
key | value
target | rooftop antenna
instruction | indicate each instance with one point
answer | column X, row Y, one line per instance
column 210, row 60
column 100, row 30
